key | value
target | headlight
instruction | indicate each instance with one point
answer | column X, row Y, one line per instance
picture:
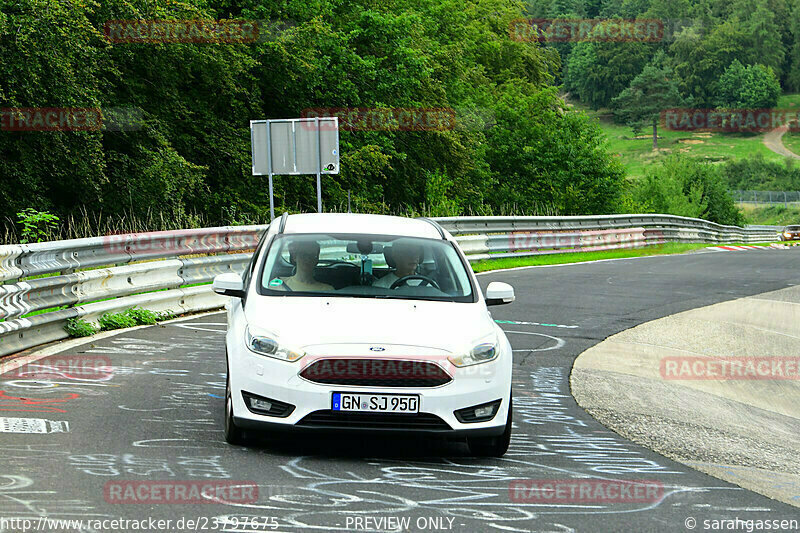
column 787, row 234
column 265, row 343
column 482, row 351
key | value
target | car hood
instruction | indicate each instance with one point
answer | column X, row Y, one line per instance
column 310, row 323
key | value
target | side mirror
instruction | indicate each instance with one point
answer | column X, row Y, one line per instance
column 229, row 284
column 499, row 293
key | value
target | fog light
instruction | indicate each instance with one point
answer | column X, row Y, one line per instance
column 266, row 406
column 262, row 405
column 478, row 413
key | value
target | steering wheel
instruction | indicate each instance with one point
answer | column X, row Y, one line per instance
column 404, row 279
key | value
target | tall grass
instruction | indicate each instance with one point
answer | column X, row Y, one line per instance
column 86, row 224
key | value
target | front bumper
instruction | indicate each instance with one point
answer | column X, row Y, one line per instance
column 279, row 380
column 273, row 427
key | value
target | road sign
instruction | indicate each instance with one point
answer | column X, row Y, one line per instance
column 295, row 146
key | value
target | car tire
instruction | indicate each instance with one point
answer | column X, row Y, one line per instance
column 233, row 434
column 493, row 446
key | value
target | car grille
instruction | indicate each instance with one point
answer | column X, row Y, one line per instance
column 335, row 419
column 376, row 373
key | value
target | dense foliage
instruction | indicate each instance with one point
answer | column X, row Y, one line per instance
column 685, row 187
column 703, row 40
column 759, row 174
column 650, row 93
column 515, row 146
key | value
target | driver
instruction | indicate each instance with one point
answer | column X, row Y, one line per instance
column 407, row 256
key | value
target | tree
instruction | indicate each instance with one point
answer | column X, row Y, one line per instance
column 699, row 60
column 766, row 45
column 599, row 71
column 648, row 95
column 750, row 87
column 548, row 158
column 793, row 76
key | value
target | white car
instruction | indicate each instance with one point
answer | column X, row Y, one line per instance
column 351, row 322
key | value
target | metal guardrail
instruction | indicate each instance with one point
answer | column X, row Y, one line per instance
column 494, row 237
column 150, row 270
column 170, row 270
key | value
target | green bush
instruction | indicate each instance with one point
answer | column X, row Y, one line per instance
column 748, row 87
column 142, row 316
column 684, row 187
column 111, row 321
column 77, row 327
column 161, row 316
column 759, row 174
column 36, row 225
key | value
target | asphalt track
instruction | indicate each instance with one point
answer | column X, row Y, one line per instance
column 158, row 417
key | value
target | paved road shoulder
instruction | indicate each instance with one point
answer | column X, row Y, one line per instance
column 742, row 430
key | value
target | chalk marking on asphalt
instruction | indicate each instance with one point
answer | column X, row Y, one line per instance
column 11, row 362
column 534, row 324
column 559, row 342
column 188, row 326
column 141, row 443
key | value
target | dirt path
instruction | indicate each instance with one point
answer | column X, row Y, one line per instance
column 772, row 140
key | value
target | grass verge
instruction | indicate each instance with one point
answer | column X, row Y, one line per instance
column 791, row 140
column 581, row 257
column 636, row 151
column 773, row 215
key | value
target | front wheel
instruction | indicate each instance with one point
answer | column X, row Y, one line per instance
column 493, row 446
column 233, row 433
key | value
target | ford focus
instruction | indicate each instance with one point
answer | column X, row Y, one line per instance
column 365, row 323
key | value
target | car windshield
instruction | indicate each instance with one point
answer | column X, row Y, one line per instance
column 367, row 266
column 792, row 228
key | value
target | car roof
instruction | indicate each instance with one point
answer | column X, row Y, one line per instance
column 360, row 223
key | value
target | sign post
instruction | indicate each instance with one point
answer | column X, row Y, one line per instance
column 295, row 146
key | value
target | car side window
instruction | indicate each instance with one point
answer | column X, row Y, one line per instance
column 248, row 272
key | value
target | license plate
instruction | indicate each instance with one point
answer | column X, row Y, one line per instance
column 375, row 403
